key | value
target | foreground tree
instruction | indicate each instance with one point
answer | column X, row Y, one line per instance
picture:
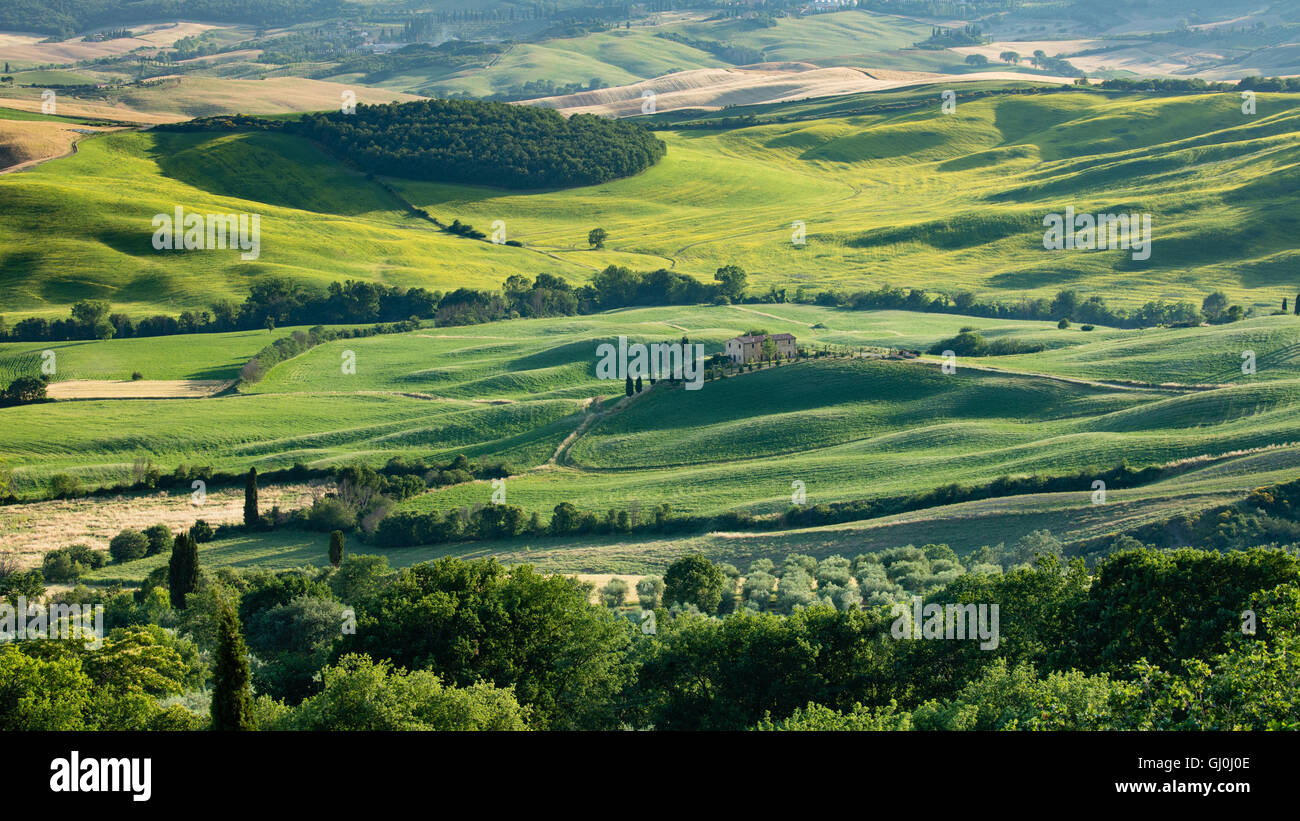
column 479, row 621
column 694, row 580
column 232, row 693
column 360, row 694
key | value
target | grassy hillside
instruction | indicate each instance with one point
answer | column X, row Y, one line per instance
column 320, row 221
column 910, row 198
column 514, row 391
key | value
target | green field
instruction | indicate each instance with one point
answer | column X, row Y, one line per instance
column 909, row 198
column 189, row 356
column 965, row 527
column 847, row 428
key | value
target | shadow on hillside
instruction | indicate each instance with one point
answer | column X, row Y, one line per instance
column 278, row 170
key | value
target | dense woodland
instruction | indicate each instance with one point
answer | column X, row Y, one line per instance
column 463, row 141
column 486, row 143
column 1183, row 639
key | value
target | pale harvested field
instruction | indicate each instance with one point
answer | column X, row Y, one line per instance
column 1026, row 48
column 137, row 389
column 29, row 48
column 211, row 96
column 68, row 106
column 1139, row 57
column 714, row 88
column 28, row 530
column 24, row 143
column 172, row 99
column 1156, row 60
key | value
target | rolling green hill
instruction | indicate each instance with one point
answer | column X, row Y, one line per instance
column 910, row 198
column 514, row 391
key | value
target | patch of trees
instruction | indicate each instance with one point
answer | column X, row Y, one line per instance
column 942, row 37
column 468, row 141
column 1193, row 84
column 1076, row 652
column 485, row 143
column 25, row 390
column 1268, row 516
column 613, row 287
column 727, row 52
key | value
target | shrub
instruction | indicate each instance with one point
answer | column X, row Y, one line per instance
column 614, row 593
column 649, row 591
column 64, row 486
column 160, row 539
column 69, row 563
column 330, row 513
column 201, row 531
column 128, row 545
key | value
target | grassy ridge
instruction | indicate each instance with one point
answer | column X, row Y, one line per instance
column 513, row 391
column 886, row 198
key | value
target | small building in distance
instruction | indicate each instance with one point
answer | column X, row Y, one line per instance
column 744, row 349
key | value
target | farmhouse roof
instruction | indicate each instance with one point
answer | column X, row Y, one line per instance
column 752, row 339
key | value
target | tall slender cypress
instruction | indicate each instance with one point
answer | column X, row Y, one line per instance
column 183, row 569
column 232, row 692
column 336, row 548
column 251, row 515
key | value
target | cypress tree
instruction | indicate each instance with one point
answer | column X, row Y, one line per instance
column 638, row 384
column 232, row 694
column 251, row 515
column 336, row 548
column 1297, row 304
column 627, row 389
column 183, row 569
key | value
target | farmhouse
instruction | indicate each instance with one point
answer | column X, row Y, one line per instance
column 744, row 349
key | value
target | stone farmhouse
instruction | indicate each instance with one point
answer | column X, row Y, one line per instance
column 743, row 349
